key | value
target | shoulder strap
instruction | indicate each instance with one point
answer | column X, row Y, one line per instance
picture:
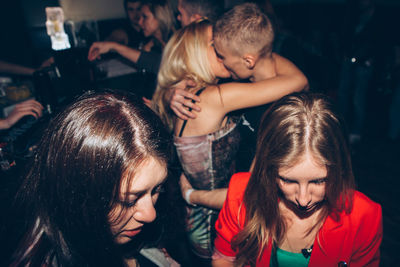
column 190, row 109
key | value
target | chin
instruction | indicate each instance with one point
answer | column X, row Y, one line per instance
column 310, row 209
column 122, row 240
column 145, row 33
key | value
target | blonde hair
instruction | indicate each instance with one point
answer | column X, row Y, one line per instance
column 185, row 56
column 162, row 11
column 245, row 29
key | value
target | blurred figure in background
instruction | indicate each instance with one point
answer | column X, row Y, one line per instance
column 192, row 10
column 130, row 34
column 361, row 46
column 157, row 22
column 11, row 68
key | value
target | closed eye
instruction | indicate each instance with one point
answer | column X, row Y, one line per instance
column 158, row 189
column 319, row 181
column 218, row 54
column 129, row 204
column 286, row 181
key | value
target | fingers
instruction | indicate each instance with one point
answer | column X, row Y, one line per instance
column 94, row 52
column 184, row 84
column 147, row 101
column 190, row 83
column 31, row 102
column 189, row 104
column 16, row 116
column 181, row 108
column 29, row 106
column 180, row 103
column 183, row 113
column 97, row 49
column 179, row 93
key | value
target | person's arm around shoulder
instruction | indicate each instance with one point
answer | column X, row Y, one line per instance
column 369, row 232
column 288, row 79
column 180, row 100
column 99, row 48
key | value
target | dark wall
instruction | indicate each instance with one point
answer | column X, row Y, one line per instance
column 15, row 45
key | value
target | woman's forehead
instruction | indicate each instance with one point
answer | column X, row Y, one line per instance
column 146, row 175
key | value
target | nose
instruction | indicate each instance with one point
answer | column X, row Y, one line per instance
column 140, row 22
column 145, row 212
column 303, row 198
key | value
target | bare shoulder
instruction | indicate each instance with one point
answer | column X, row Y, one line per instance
column 281, row 59
column 211, row 96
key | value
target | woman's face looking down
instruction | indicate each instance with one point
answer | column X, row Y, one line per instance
column 303, row 185
column 136, row 201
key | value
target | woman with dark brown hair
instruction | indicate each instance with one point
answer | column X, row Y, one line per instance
column 91, row 191
column 299, row 207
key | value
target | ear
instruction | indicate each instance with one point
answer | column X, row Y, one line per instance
column 249, row 60
column 195, row 17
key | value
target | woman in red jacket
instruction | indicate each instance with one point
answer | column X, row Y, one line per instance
column 298, row 207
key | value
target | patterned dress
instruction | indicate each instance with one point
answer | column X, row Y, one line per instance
column 208, row 163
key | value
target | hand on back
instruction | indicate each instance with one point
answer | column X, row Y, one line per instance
column 181, row 100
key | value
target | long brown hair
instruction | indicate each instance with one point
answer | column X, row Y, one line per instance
column 75, row 179
column 293, row 125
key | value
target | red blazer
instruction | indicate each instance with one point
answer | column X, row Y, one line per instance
column 355, row 238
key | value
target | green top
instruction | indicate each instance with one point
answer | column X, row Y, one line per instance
column 283, row 258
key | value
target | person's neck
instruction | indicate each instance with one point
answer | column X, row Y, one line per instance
column 131, row 262
column 264, row 69
column 158, row 35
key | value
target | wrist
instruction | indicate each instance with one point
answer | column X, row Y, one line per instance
column 188, row 193
column 114, row 46
column 5, row 124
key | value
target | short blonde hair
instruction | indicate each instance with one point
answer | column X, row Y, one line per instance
column 185, row 56
column 245, row 29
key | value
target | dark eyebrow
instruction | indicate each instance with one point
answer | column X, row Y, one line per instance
column 294, row 180
column 286, row 179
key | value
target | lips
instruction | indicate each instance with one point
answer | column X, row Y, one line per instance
column 132, row 233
